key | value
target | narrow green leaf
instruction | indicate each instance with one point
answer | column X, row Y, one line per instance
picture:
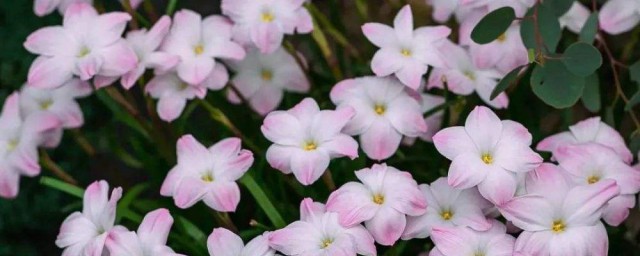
column 548, row 26
column 191, row 230
column 493, row 25
column 555, row 85
column 62, row 186
column 582, row 59
column 171, row 7
column 590, row 29
column 506, row 82
column 258, row 193
column 591, row 94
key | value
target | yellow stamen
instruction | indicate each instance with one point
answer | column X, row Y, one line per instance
column 11, row 145
column 479, row 254
column 207, row 177
column 378, row 199
column 380, row 109
column 267, row 75
column 487, row 158
column 446, row 215
column 558, row 226
column 405, row 52
column 326, row 242
column 470, row 75
column 183, row 86
column 199, row 49
column 502, row 38
column 46, row 104
column 267, row 17
column 83, row 52
column 310, row 146
column 593, row 179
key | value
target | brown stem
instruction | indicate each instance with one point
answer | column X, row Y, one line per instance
column 126, row 4
column 327, row 178
column 55, row 169
column 83, row 142
column 150, row 10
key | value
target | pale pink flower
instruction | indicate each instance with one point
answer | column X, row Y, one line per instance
column 87, row 44
column 592, row 163
column 519, row 6
column 199, row 43
column 558, row 218
column 262, row 79
column 619, row 16
column 505, row 53
column 44, row 7
column 487, row 152
column 172, row 93
column 207, row 174
column 19, row 141
column 223, row 242
column 149, row 240
column 85, row 233
column 575, row 18
column 463, row 77
column 145, row 44
column 443, row 9
column 448, row 207
column 318, row 232
column 455, row 241
column 434, row 121
column 384, row 112
column 404, row 51
column 61, row 102
column 306, row 138
column 264, row 23
column 382, row 201
column 585, row 131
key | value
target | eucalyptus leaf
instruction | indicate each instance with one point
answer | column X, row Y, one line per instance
column 582, row 59
column 493, row 25
column 506, row 82
column 591, row 94
column 548, row 26
column 555, row 85
column 590, row 29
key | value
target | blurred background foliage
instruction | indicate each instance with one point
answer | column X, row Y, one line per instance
column 125, row 155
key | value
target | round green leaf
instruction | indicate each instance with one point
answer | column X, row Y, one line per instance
column 582, row 59
column 591, row 94
column 555, row 85
column 493, row 25
column 548, row 26
column 559, row 7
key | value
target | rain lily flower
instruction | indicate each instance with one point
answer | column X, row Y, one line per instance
column 505, row 53
column 443, row 9
column 199, row 43
column 172, row 93
column 223, row 242
column 487, row 152
column 404, row 51
column 575, row 18
column 382, row 201
column 619, row 16
column 207, row 174
column 44, row 7
column 306, row 138
column 448, row 207
column 592, row 163
column 264, row 23
column 318, row 232
column 585, row 131
column 434, row 121
column 519, row 6
column 454, row 241
column 145, row 44
column 149, row 240
column 384, row 112
column 87, row 44
column 463, row 77
column 558, row 218
column 19, row 143
column 85, row 233
column 262, row 78
column 61, row 102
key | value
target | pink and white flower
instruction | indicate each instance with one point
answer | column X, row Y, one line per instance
column 619, row 16
column 85, row 233
column 261, row 79
column 173, row 93
column 306, row 138
column 463, row 77
column 519, row 6
column 434, row 121
column 575, row 18
column 454, row 241
column 585, row 131
column 592, row 163
column 44, row 7
column 149, row 240
column 264, row 23
column 558, row 218
column 404, row 51
column 384, row 112
column 19, row 141
column 207, row 174
column 199, row 43
column 505, row 53
column 145, row 44
column 487, row 152
column 448, row 207
column 223, row 242
column 87, row 44
column 382, row 201
column 318, row 232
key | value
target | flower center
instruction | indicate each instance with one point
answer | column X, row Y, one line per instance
column 380, row 109
column 12, row 144
column 267, row 17
column 502, row 38
column 199, row 49
column 378, row 199
column 405, row 52
column 207, row 177
column 310, row 146
column 83, row 52
column 46, row 104
column 266, row 74
column 479, row 254
column 593, row 179
column 446, row 215
column 326, row 243
column 470, row 75
column 487, row 158
column 182, row 86
column 558, row 226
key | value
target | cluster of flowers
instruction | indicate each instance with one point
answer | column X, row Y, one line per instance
column 494, row 172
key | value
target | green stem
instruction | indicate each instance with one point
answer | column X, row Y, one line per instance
column 219, row 116
column 62, row 186
column 171, row 7
column 258, row 193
